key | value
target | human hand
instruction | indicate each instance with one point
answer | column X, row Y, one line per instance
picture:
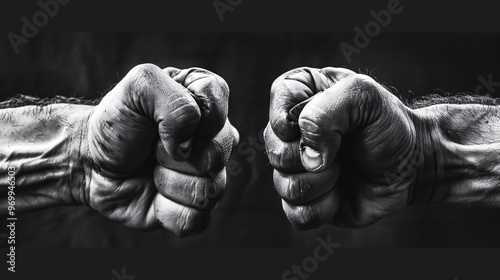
column 336, row 155
column 157, row 146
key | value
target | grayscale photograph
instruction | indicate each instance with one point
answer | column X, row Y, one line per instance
column 316, row 142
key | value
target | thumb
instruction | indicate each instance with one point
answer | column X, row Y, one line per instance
column 331, row 114
column 169, row 104
column 291, row 90
column 212, row 94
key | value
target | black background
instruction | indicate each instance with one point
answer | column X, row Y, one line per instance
column 250, row 213
column 429, row 47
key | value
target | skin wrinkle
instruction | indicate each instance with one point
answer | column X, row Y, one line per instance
column 286, row 104
column 194, row 192
column 467, row 129
column 480, row 163
column 143, row 84
column 413, row 150
column 428, row 182
column 289, row 103
column 158, row 100
column 183, row 218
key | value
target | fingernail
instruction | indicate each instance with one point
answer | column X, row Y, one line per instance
column 312, row 159
column 183, row 150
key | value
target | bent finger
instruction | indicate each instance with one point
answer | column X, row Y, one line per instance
column 303, row 188
column 212, row 92
column 193, row 191
column 314, row 214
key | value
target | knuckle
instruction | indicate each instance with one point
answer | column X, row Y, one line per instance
column 186, row 110
column 278, row 121
column 158, row 178
column 275, row 157
column 220, row 179
column 235, row 136
column 200, row 71
column 217, row 155
column 142, row 75
column 293, row 189
column 265, row 133
column 361, row 79
column 304, row 217
column 161, row 154
column 283, row 156
column 288, row 188
column 284, row 160
column 296, row 189
column 215, row 94
column 204, row 193
column 219, row 82
column 310, row 124
column 145, row 69
column 275, row 84
column 139, row 81
column 187, row 222
column 270, row 142
column 340, row 70
column 278, row 84
column 366, row 92
column 298, row 70
column 211, row 79
column 363, row 84
column 172, row 69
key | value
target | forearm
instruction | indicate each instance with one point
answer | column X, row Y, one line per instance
column 42, row 146
column 462, row 154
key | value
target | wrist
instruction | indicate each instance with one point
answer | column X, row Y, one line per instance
column 79, row 153
column 462, row 165
column 43, row 144
column 429, row 184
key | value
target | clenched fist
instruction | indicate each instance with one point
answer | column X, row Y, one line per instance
column 336, row 140
column 157, row 146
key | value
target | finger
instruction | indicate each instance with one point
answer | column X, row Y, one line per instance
column 336, row 74
column 152, row 92
column 314, row 214
column 303, row 188
column 294, row 87
column 171, row 71
column 330, row 115
column 207, row 156
column 193, row 191
column 236, row 137
column 213, row 93
column 179, row 219
column 283, row 156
